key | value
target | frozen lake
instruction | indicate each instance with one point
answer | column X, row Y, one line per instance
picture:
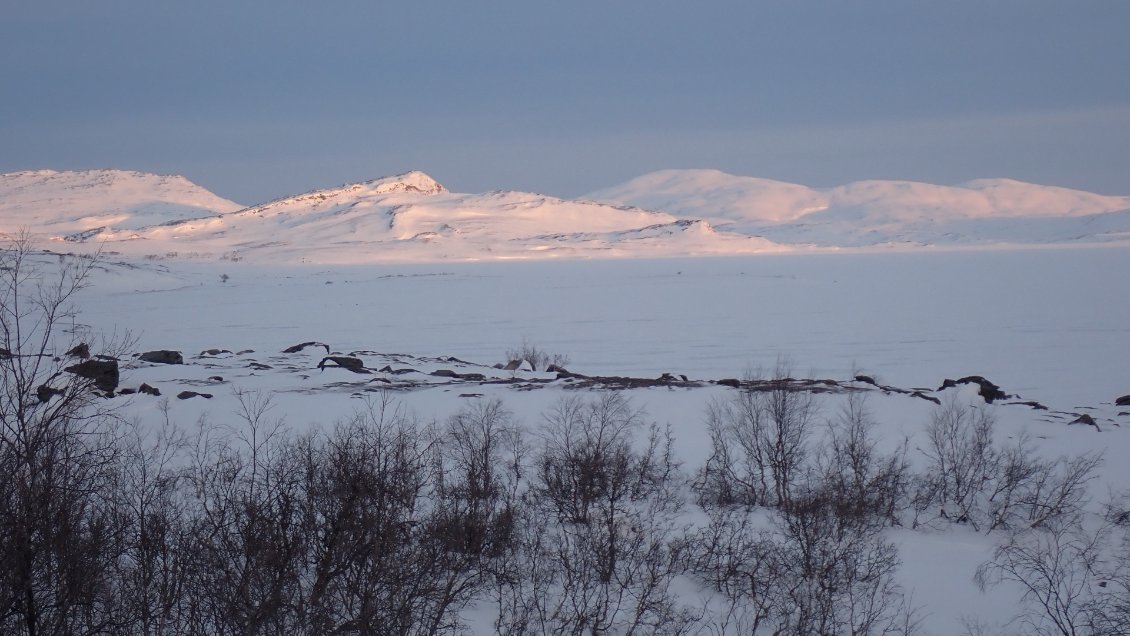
column 1051, row 324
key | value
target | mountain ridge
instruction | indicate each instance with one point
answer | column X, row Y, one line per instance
column 412, row 217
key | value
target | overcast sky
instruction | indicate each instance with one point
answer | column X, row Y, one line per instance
column 257, row 99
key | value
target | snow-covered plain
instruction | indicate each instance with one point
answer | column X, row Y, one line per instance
column 1048, row 325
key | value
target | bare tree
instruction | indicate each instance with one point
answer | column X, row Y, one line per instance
column 760, row 440
column 59, row 534
column 1075, row 581
column 602, row 527
column 962, row 459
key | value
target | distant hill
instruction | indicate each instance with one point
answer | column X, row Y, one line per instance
column 872, row 213
column 411, row 217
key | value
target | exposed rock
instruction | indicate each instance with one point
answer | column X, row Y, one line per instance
column 244, row 352
column 258, row 366
column 149, row 390
column 512, row 365
column 162, row 356
column 1035, row 405
column 1085, row 419
column 1123, row 401
column 299, row 347
column 866, row 379
column 45, row 393
column 352, row 364
column 730, row 382
column 989, row 391
column 929, row 398
column 556, row 368
column 216, row 378
column 81, row 350
column 470, row 395
column 103, row 372
column 184, row 395
column 448, row 373
column 214, row 352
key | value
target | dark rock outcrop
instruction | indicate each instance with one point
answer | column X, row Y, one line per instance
column 162, row 356
column 81, row 350
column 184, row 395
column 1086, row 419
column 989, row 391
column 149, row 390
column 352, row 364
column 45, row 393
column 299, row 347
column 448, row 373
column 1123, row 401
column 104, row 373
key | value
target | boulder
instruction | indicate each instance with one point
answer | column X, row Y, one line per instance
column 148, row 390
column 184, row 395
column 512, row 365
column 1123, row 401
column 103, row 372
column 162, row 356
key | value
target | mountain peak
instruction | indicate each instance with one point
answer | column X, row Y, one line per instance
column 412, row 181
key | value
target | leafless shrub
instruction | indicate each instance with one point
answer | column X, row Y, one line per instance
column 866, row 484
column 1029, row 491
column 1075, row 581
column 962, row 458
column 157, row 553
column 539, row 359
column 601, row 528
column 971, row 479
column 60, row 536
column 807, row 569
column 760, row 441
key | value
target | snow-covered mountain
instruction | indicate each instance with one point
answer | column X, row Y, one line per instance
column 64, row 203
column 411, row 217
column 408, row 217
column 865, row 213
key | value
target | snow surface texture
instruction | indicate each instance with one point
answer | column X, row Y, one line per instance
column 412, row 218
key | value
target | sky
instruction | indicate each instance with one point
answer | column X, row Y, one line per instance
column 260, row 99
